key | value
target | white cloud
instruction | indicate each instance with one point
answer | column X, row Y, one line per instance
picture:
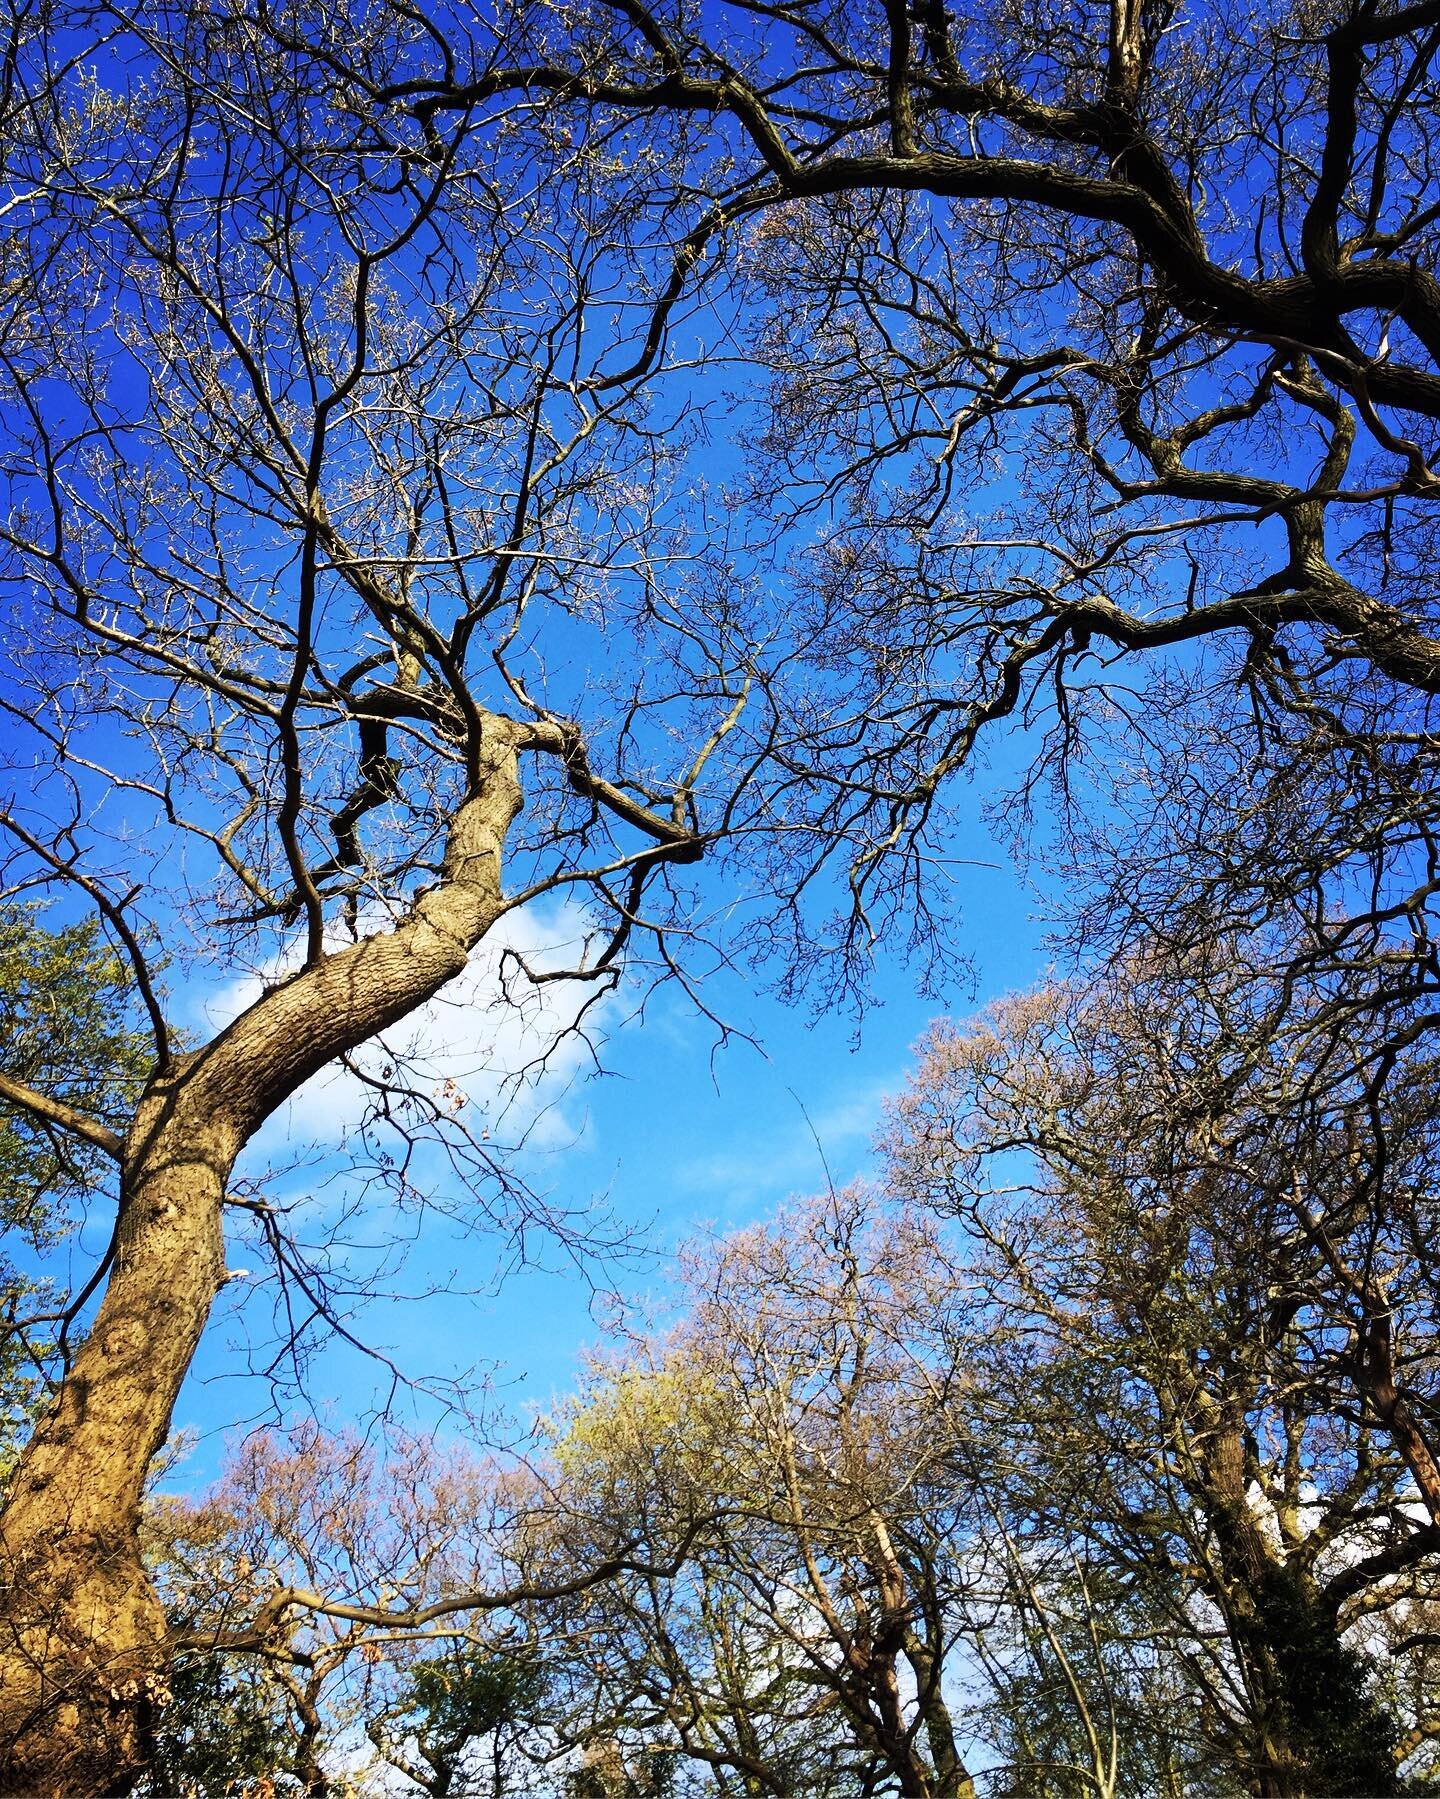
column 469, row 1048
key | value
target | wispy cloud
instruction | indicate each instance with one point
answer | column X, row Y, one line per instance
column 797, row 1153
column 491, row 1043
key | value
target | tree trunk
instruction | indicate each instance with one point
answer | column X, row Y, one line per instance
column 1318, row 1731
column 82, row 1633
column 1248, row 1566
column 80, row 1662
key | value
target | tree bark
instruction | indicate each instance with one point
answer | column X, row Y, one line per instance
column 82, row 1632
column 1247, row 1565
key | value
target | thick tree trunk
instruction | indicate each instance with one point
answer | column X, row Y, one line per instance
column 82, row 1649
column 1248, row 1567
column 80, row 1660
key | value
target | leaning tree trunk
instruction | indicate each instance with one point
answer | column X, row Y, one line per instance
column 82, row 1633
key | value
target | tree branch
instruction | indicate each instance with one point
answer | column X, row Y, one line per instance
column 64, row 1117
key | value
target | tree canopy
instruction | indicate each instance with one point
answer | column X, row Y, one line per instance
column 649, row 455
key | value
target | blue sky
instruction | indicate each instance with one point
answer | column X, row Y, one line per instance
column 672, row 1138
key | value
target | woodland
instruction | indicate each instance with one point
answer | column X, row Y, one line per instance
column 672, row 460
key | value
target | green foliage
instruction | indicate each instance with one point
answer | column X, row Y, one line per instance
column 224, row 1728
column 1113, row 1634
column 449, row 1704
column 608, row 1776
column 67, row 1028
column 464, row 1695
column 1342, row 1736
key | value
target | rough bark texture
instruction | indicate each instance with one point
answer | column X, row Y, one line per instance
column 82, row 1634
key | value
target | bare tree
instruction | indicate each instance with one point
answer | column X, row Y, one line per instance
column 1100, row 346
column 906, row 1576
column 331, row 503
column 379, row 1529
column 799, row 1414
column 1202, row 1218
column 1097, row 1483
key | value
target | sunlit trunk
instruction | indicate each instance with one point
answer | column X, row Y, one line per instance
column 82, row 1634
column 81, row 1661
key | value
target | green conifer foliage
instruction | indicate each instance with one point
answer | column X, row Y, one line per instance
column 67, row 1025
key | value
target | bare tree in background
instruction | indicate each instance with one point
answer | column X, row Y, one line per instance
column 799, row 1417
column 1037, row 1495
column 1204, row 1221
column 912, row 1501
column 377, row 1529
